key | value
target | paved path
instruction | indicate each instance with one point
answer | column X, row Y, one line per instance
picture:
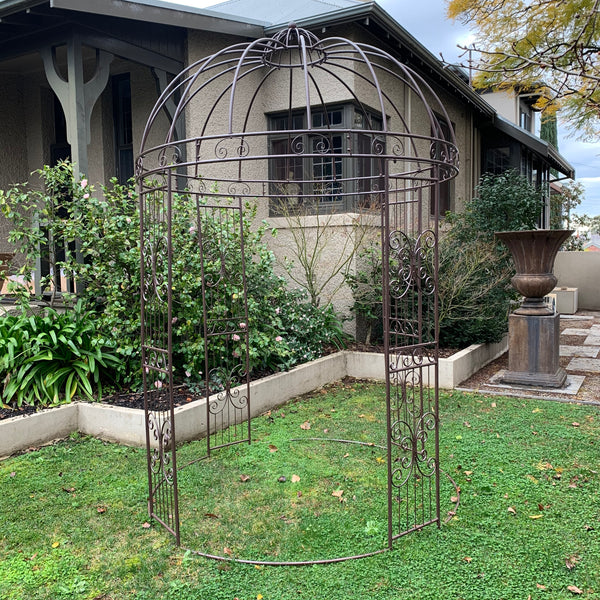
column 579, row 355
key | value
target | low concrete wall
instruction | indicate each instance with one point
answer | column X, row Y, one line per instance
column 580, row 270
column 126, row 425
column 451, row 371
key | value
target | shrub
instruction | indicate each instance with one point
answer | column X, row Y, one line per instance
column 284, row 328
column 49, row 357
column 474, row 270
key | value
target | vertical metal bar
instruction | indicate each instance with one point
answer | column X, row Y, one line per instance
column 175, row 494
column 247, row 328
column 436, row 330
column 385, row 235
column 143, row 345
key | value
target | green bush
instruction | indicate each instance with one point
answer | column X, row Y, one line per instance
column 284, row 329
column 48, row 358
column 475, row 269
column 474, row 275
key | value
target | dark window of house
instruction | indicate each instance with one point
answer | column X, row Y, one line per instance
column 441, row 194
column 314, row 169
column 123, row 129
column 525, row 120
column 497, row 160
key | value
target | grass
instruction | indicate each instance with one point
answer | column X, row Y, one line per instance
column 73, row 514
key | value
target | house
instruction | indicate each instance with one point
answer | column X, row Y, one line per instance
column 510, row 142
column 80, row 77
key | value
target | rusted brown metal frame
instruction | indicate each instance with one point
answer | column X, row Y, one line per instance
column 413, row 180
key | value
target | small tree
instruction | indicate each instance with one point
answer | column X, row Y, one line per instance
column 321, row 252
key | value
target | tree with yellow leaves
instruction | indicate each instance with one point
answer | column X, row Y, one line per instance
column 547, row 46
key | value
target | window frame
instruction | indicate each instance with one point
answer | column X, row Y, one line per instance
column 312, row 165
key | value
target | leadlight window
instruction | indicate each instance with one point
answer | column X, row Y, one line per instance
column 324, row 167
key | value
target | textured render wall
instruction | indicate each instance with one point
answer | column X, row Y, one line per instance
column 13, row 142
column 506, row 104
column 340, row 234
column 271, row 100
column 580, row 270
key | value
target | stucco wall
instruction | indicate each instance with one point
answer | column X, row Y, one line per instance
column 580, row 270
column 335, row 240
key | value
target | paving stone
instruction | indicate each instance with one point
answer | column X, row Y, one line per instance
column 571, row 387
column 592, row 340
column 575, row 331
column 585, row 351
column 592, row 365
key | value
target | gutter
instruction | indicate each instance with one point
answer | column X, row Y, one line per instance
column 8, row 7
column 175, row 15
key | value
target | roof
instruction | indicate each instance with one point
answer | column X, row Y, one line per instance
column 256, row 18
column 278, row 11
column 535, row 144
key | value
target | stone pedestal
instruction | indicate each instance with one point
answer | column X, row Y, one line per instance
column 533, row 357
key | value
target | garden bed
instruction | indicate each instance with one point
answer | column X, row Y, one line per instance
column 126, row 425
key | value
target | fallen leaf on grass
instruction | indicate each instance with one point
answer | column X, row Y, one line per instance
column 575, row 424
column 571, row 561
column 272, row 448
column 101, row 509
column 346, row 455
column 467, row 559
column 493, row 405
column 338, row 493
column 12, row 474
column 282, row 479
column 228, row 551
column 511, row 510
column 539, row 586
column 305, row 425
column 55, row 544
column 454, row 499
column 244, row 478
column 68, row 490
column 574, row 589
column 295, row 479
column 535, row 516
column 146, row 525
column 211, row 515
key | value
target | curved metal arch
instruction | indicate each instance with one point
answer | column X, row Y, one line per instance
column 402, row 168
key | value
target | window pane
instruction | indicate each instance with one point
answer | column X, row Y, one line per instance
column 327, row 170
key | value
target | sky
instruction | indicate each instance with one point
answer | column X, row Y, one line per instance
column 427, row 22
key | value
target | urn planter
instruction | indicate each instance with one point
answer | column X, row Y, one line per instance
column 533, row 253
column 533, row 329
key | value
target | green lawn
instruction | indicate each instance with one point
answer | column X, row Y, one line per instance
column 73, row 520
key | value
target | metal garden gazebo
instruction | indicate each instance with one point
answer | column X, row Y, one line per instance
column 302, row 123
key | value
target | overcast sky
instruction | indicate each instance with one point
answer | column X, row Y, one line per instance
column 426, row 21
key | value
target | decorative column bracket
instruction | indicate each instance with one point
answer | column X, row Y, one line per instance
column 76, row 96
